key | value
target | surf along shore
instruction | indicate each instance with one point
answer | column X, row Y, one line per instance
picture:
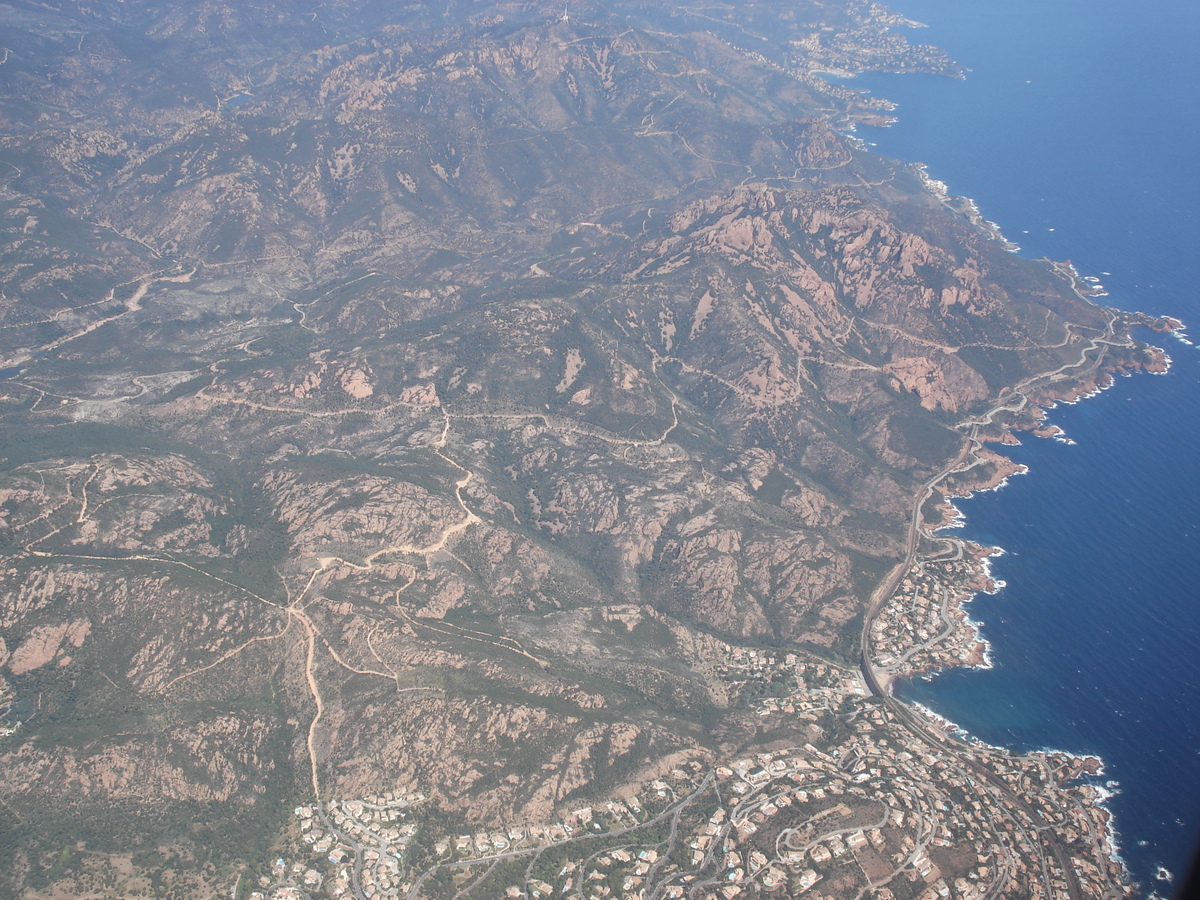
column 917, row 622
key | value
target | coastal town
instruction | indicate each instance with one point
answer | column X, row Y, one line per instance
column 503, row 450
column 874, row 805
column 925, row 627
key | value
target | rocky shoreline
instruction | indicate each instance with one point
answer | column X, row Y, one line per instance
column 963, row 643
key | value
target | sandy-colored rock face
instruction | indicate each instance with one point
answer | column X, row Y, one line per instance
column 48, row 643
column 436, row 398
column 356, row 383
column 947, row 388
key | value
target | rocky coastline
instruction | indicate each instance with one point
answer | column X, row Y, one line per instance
column 962, row 643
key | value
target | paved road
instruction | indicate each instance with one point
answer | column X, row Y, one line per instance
column 917, row 724
column 670, row 812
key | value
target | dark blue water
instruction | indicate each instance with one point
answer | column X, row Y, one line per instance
column 1077, row 132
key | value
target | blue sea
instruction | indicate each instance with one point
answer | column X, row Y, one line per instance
column 1077, row 132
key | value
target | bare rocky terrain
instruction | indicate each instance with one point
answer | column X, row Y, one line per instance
column 408, row 397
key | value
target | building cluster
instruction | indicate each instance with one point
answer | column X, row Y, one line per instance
column 924, row 626
column 882, row 809
column 771, row 681
column 360, row 846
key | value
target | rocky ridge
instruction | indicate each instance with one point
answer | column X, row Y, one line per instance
column 396, row 398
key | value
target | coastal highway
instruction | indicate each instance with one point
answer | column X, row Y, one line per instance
column 918, row 725
column 887, row 587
